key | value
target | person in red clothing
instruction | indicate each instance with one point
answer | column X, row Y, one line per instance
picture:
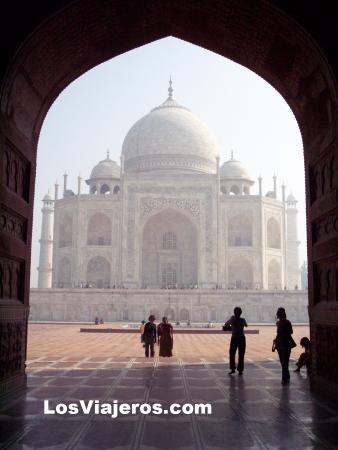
column 165, row 337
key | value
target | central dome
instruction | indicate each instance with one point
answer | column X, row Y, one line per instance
column 169, row 137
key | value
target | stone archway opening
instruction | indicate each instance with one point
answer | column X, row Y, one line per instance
column 266, row 40
column 169, row 251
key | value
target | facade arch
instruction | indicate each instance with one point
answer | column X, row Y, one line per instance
column 184, row 315
column 105, row 189
column 274, row 275
column 240, row 231
column 240, row 274
column 234, row 190
column 98, row 272
column 169, row 251
column 273, row 233
column 64, row 273
column 66, row 231
column 99, row 230
column 169, row 313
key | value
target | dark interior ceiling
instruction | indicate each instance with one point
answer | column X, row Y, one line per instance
column 319, row 18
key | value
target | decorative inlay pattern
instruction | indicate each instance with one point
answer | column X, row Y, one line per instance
column 150, row 204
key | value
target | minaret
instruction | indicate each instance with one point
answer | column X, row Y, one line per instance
column 260, row 185
column 292, row 243
column 275, row 185
column 46, row 244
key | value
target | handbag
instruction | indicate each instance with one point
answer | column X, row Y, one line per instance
column 226, row 327
column 292, row 343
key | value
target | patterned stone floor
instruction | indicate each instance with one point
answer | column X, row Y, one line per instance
column 250, row 412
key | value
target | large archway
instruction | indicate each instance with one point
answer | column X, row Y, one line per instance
column 169, row 251
column 257, row 35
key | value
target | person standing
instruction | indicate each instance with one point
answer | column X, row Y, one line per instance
column 165, row 337
column 149, row 336
column 283, row 343
column 237, row 341
column 141, row 328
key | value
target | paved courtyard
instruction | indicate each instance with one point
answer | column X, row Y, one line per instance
column 250, row 412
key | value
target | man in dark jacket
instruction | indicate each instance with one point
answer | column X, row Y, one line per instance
column 149, row 336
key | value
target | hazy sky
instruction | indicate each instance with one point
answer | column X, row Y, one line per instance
column 95, row 112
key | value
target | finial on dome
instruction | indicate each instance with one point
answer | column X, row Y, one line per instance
column 232, row 155
column 170, row 89
column 107, row 153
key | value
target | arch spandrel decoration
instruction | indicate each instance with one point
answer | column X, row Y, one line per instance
column 267, row 40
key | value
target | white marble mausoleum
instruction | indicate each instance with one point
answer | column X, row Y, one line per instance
column 169, row 216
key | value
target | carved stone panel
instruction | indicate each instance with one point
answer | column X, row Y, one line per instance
column 326, row 228
column 16, row 171
column 326, row 281
column 13, row 224
column 323, row 177
column 11, row 348
column 11, row 279
column 326, row 352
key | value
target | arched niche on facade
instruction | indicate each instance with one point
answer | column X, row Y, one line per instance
column 64, row 273
column 234, row 190
column 99, row 230
column 240, row 231
column 224, row 190
column 240, row 274
column 169, row 313
column 274, row 275
column 66, row 231
column 98, row 272
column 184, row 314
column 105, row 189
column 246, row 190
column 154, row 312
column 93, row 190
column 116, row 189
column 169, row 251
column 273, row 233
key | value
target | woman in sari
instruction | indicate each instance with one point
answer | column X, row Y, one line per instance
column 165, row 337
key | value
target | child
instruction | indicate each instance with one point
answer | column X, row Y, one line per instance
column 305, row 357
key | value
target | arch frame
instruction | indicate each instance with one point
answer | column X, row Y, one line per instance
column 266, row 39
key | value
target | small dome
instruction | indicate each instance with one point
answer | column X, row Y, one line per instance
column 170, row 137
column 233, row 169
column 106, row 169
column 47, row 197
column 291, row 198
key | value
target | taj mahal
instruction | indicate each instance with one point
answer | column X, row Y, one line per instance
column 169, row 231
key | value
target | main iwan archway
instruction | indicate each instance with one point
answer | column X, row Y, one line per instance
column 79, row 36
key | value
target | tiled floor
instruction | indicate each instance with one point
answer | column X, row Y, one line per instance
column 250, row 412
